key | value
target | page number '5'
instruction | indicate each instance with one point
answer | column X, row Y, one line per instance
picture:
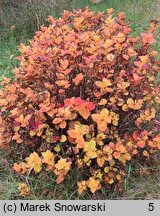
column 151, row 206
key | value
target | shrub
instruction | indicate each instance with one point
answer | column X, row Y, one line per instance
column 84, row 96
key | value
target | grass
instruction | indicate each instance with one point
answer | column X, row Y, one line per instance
column 22, row 20
column 142, row 183
column 9, row 51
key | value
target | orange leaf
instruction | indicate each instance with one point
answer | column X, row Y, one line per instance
column 116, row 155
column 93, row 184
column 102, row 119
column 78, row 132
column 57, row 121
column 17, row 138
column 12, row 88
column 3, row 102
column 48, row 158
column 63, row 124
column 62, row 168
column 64, row 63
column 77, row 80
column 147, row 38
column 20, row 168
column 136, row 105
column 104, row 86
column 141, row 144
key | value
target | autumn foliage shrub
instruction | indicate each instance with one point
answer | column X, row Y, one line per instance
column 85, row 97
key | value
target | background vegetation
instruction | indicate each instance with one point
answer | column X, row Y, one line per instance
column 19, row 19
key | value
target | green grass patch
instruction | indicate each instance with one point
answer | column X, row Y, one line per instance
column 8, row 53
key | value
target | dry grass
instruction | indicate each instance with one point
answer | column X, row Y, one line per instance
column 21, row 18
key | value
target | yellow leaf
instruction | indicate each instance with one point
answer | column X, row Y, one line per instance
column 111, row 181
column 115, row 118
column 110, row 57
column 123, row 85
column 106, row 169
column 48, row 158
column 99, row 175
column 118, row 177
column 93, row 184
column 120, row 102
column 62, row 164
column 90, row 146
column 99, row 139
column 32, row 133
column 122, row 159
column 63, row 138
column 127, row 156
column 81, row 187
column 102, row 102
column 112, row 101
column 100, row 161
column 145, row 153
column 125, row 108
column 108, row 43
column 57, row 148
column 90, row 149
column 34, row 162
column 3, row 102
column 63, row 124
column 112, row 162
